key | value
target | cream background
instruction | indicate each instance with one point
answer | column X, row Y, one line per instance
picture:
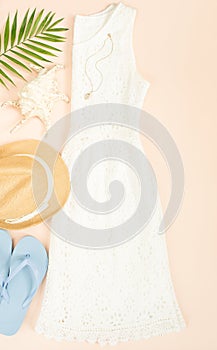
column 176, row 49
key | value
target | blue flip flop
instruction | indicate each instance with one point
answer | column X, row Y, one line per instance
column 5, row 256
column 28, row 268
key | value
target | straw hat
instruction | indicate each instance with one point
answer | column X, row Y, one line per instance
column 34, row 183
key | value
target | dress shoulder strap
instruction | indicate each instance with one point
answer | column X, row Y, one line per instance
column 125, row 33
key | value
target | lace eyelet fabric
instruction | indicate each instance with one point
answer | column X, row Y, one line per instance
column 122, row 293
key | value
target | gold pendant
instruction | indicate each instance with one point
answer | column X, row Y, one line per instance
column 87, row 95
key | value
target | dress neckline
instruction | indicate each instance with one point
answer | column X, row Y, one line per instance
column 112, row 8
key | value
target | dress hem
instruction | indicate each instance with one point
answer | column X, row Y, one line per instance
column 114, row 335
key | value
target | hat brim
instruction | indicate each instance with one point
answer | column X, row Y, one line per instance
column 61, row 182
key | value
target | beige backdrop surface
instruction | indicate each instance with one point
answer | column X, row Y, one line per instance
column 176, row 48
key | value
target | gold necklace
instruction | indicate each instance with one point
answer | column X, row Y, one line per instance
column 92, row 90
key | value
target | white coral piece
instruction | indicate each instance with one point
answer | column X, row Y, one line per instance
column 37, row 97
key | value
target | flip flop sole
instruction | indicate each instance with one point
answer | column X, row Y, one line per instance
column 13, row 313
column 5, row 254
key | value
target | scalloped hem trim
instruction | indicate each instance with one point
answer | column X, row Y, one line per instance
column 111, row 336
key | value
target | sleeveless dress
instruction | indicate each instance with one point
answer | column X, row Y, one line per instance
column 124, row 292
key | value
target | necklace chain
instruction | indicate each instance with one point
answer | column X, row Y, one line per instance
column 92, row 90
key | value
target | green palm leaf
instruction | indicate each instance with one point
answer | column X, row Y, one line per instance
column 30, row 53
column 14, row 30
column 31, row 42
column 9, row 67
column 55, row 23
column 48, row 38
column 6, row 33
column 14, row 60
column 44, row 45
column 49, row 21
column 29, row 24
column 22, row 28
column 57, row 30
column 6, row 76
column 43, row 23
column 34, row 27
column 38, row 49
column 3, row 83
column 26, row 58
column 58, row 37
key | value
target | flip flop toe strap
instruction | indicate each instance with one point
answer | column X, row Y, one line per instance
column 26, row 262
column 2, row 279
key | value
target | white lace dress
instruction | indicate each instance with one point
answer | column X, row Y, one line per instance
column 125, row 292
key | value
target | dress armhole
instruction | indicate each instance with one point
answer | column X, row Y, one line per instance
column 145, row 82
